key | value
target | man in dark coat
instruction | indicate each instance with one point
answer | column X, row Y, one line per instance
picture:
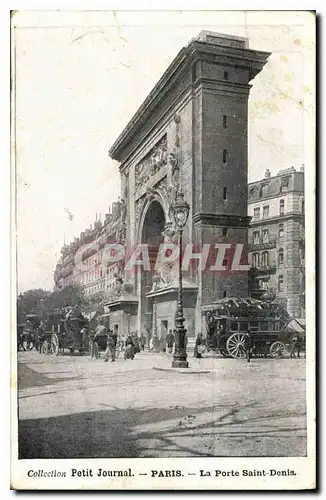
column 142, row 341
column 111, row 346
column 170, row 341
column 130, row 348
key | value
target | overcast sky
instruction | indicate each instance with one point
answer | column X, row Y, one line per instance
column 80, row 77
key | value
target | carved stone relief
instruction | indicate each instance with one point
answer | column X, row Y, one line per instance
column 151, row 164
column 124, row 212
column 174, row 158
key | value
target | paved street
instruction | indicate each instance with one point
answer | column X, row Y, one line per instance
column 75, row 407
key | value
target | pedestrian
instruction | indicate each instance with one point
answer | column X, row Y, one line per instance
column 92, row 344
column 170, row 341
column 294, row 346
column 142, row 341
column 40, row 337
column 136, row 343
column 219, row 335
column 129, row 351
column 248, row 345
column 111, row 346
column 199, row 346
column 100, row 331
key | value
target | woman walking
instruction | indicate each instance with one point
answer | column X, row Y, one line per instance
column 199, row 345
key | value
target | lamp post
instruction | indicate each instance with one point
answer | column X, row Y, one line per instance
column 180, row 212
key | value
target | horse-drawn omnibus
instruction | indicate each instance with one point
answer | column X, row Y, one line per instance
column 234, row 323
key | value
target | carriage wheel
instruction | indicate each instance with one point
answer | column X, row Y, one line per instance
column 236, row 345
column 277, row 349
column 55, row 344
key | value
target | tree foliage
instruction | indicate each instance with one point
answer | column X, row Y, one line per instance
column 44, row 303
column 31, row 302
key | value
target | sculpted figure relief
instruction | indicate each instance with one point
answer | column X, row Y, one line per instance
column 151, row 164
column 167, row 271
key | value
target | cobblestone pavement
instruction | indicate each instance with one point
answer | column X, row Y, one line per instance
column 75, row 407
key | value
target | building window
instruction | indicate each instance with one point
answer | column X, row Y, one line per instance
column 225, row 294
column 257, row 213
column 281, row 207
column 225, row 121
column 263, row 190
column 302, row 206
column 225, row 156
column 226, row 75
column 224, row 193
column 284, row 184
column 281, row 231
column 281, row 256
column 225, row 231
column 266, row 212
column 264, row 259
column 255, row 260
column 265, row 236
column 280, row 284
column 256, row 237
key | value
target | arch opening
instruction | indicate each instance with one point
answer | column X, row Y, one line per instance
column 151, row 234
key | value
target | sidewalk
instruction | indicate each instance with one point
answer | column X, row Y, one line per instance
column 224, row 367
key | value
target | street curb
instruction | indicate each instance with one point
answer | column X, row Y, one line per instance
column 179, row 370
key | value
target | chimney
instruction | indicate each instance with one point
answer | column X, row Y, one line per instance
column 302, row 168
column 267, row 173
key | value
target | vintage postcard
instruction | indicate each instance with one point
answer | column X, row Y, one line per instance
column 163, row 237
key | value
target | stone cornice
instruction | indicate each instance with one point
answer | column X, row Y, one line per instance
column 277, row 218
column 118, row 302
column 173, row 289
column 195, row 50
column 224, row 220
column 222, row 87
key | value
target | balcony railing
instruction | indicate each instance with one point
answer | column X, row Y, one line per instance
column 269, row 269
column 262, row 246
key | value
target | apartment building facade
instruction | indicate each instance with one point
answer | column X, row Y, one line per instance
column 276, row 247
column 83, row 261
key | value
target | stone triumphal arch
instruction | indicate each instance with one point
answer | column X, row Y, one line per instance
column 190, row 133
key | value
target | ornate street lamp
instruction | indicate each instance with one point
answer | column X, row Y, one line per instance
column 180, row 212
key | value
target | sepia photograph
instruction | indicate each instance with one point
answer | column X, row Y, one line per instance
column 163, row 167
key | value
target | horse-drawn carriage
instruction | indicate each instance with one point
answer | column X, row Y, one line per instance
column 234, row 325
column 72, row 334
column 27, row 332
column 64, row 332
